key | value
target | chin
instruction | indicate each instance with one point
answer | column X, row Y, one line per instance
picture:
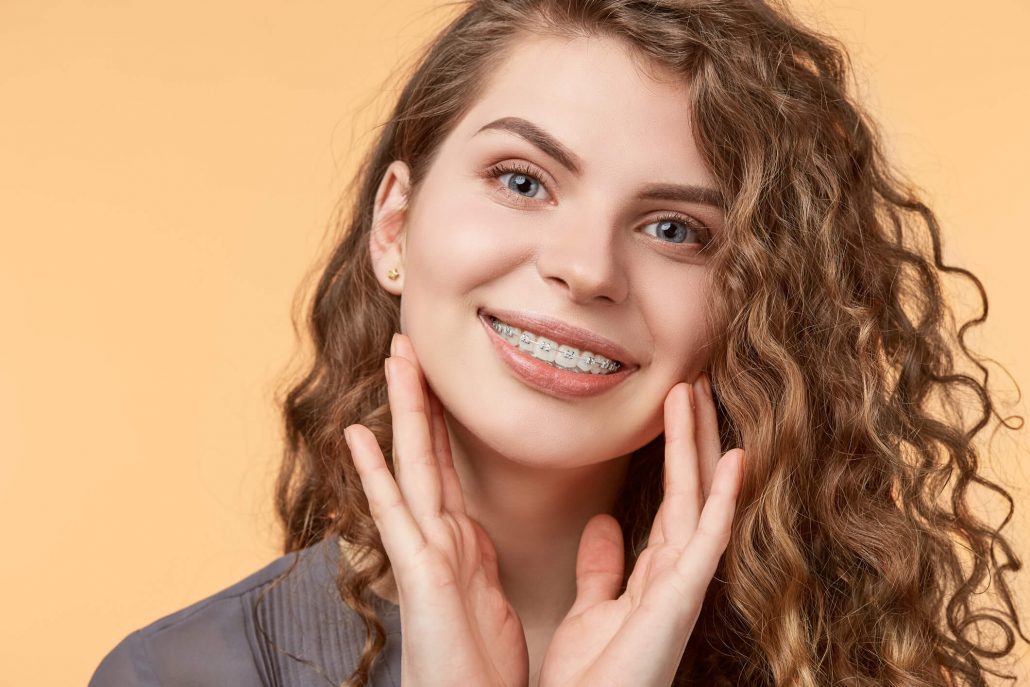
column 549, row 446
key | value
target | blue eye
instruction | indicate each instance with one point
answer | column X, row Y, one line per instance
column 676, row 229
column 523, row 184
column 521, row 180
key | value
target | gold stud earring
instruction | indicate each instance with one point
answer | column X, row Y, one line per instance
column 393, row 274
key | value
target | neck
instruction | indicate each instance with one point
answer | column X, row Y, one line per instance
column 534, row 516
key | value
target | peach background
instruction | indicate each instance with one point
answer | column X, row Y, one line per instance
column 167, row 173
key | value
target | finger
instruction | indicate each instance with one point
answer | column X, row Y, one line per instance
column 656, row 537
column 489, row 569
column 699, row 560
column 417, row 473
column 707, row 421
column 452, row 497
column 488, row 553
column 401, row 535
column 600, row 563
column 401, row 346
column 681, row 504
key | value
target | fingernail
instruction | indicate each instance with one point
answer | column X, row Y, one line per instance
column 393, row 344
column 386, row 366
column 346, row 435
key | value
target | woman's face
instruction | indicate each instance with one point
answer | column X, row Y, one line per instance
column 606, row 240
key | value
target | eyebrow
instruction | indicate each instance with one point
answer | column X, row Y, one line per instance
column 554, row 148
column 538, row 137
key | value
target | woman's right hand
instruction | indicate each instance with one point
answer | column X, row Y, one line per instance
column 458, row 628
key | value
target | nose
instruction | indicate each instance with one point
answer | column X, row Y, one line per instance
column 584, row 264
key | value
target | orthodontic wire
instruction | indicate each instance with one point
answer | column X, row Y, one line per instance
column 546, row 346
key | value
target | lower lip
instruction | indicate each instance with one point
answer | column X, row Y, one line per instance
column 544, row 377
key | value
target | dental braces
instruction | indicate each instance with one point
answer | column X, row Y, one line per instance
column 507, row 330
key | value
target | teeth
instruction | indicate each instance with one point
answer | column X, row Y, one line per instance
column 554, row 353
column 527, row 343
column 567, row 357
column 546, row 349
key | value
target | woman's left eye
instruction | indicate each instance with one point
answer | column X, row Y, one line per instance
column 678, row 229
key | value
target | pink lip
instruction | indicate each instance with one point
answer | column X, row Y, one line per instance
column 550, row 380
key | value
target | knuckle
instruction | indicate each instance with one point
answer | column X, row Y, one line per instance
column 495, row 601
column 379, row 509
column 717, row 535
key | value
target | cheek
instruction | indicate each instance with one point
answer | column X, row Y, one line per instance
column 456, row 243
column 677, row 308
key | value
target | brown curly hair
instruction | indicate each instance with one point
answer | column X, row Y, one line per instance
column 855, row 556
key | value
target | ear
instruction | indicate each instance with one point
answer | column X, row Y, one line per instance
column 386, row 240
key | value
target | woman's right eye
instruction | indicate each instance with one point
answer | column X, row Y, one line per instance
column 519, row 180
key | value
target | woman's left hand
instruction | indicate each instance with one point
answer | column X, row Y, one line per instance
column 639, row 637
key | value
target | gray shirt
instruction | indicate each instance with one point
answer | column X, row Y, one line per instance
column 310, row 636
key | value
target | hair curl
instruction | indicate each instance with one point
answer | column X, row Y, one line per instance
column 855, row 556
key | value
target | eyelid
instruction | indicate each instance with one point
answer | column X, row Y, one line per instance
column 706, row 232
column 521, row 167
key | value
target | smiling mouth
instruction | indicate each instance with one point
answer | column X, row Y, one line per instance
column 551, row 378
column 554, row 353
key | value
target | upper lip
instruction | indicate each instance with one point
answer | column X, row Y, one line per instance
column 583, row 339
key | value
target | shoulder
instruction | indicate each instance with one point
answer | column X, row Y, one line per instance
column 210, row 632
column 226, row 637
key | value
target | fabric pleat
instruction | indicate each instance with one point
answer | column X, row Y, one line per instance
column 311, row 637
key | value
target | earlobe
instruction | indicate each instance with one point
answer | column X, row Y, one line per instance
column 389, row 215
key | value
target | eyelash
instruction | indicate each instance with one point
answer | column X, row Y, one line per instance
column 518, row 168
column 538, row 176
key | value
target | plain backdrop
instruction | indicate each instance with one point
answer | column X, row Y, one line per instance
column 167, row 175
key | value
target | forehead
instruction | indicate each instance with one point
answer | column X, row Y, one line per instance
column 595, row 96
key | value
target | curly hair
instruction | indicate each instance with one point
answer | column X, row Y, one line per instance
column 855, row 555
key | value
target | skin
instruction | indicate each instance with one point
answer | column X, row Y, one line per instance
column 504, row 556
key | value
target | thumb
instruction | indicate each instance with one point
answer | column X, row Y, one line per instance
column 488, row 553
column 599, row 564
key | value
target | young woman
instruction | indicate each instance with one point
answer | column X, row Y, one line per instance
column 608, row 248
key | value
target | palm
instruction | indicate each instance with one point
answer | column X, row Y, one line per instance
column 459, row 589
column 457, row 625
column 638, row 637
column 576, row 654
